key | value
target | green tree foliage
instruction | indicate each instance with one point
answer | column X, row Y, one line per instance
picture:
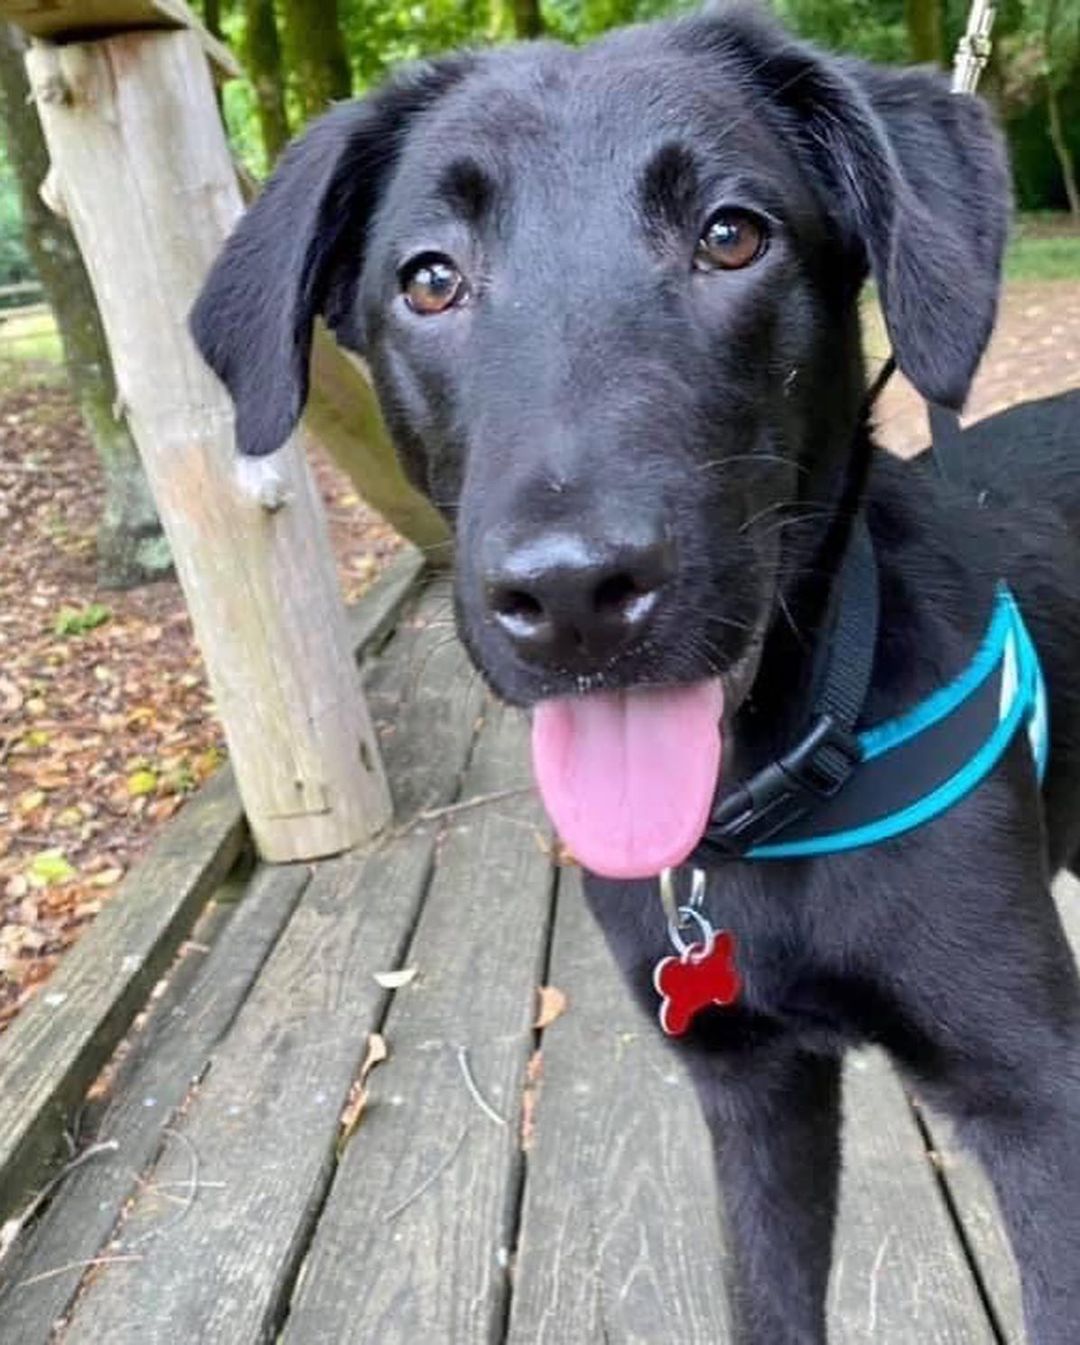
column 15, row 264
column 875, row 29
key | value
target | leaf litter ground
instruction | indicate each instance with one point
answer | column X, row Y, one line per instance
column 107, row 725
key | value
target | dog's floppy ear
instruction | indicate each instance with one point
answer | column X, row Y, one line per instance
column 297, row 253
column 913, row 176
column 933, row 214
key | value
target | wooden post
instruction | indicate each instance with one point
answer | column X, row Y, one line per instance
column 145, row 178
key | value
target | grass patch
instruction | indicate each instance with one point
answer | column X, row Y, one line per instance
column 72, row 621
column 29, row 347
column 29, row 334
column 1032, row 257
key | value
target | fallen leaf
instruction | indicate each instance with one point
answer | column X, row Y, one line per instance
column 32, row 799
column 530, row 1093
column 11, row 698
column 141, row 782
column 107, row 877
column 377, row 1052
column 394, row 980
column 48, row 867
column 358, row 1093
column 552, row 1004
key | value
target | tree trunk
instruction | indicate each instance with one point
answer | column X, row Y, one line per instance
column 262, row 56
column 315, row 53
column 1058, row 138
column 528, row 20
column 131, row 548
column 1063, row 150
column 925, row 30
column 211, row 11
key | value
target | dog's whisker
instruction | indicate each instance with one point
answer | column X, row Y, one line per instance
column 765, row 459
column 772, row 508
column 785, row 610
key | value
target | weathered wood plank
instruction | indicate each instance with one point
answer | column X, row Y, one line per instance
column 899, row 1271
column 972, row 1194
column 60, row 1041
column 259, row 581
column 976, row 1207
column 373, row 618
column 388, row 1266
column 265, row 1121
column 68, row 20
column 166, row 1058
column 619, row 1143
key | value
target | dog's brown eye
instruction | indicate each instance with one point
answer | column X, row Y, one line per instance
column 732, row 239
column 432, row 284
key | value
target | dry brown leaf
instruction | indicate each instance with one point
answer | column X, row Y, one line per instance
column 11, row 698
column 377, row 1052
column 358, row 1093
column 552, row 1003
column 394, row 980
column 529, row 1096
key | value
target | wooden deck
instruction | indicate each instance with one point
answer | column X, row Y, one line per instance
column 502, row 1183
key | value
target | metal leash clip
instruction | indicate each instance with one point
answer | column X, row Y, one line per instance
column 680, row 914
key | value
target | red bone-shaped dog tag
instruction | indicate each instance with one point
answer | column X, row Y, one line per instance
column 704, row 974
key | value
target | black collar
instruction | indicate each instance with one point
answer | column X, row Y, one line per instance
column 826, row 754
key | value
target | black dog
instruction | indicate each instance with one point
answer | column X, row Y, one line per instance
column 609, row 298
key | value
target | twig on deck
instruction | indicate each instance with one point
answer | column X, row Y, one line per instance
column 452, row 809
column 44, row 1275
column 449, row 810
column 476, row 801
column 474, row 1092
column 10, row 1231
column 193, row 1185
column 429, row 1181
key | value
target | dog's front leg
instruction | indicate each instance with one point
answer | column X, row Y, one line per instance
column 1021, row 1117
column 775, row 1123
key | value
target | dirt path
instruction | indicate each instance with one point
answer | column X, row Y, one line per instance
column 1035, row 353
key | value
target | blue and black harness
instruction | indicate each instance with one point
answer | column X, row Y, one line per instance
column 838, row 789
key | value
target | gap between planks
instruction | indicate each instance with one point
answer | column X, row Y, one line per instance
column 166, row 1059
column 969, row 1190
column 421, row 1218
column 265, row 1122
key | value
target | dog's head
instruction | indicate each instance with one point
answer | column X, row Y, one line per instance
column 609, row 299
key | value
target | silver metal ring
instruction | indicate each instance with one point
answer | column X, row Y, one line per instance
column 670, row 902
column 667, row 896
column 708, row 934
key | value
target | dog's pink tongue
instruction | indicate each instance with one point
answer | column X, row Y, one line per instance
column 628, row 777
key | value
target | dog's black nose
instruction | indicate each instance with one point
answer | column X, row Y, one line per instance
column 567, row 600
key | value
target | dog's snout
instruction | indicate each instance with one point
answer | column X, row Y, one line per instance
column 569, row 601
